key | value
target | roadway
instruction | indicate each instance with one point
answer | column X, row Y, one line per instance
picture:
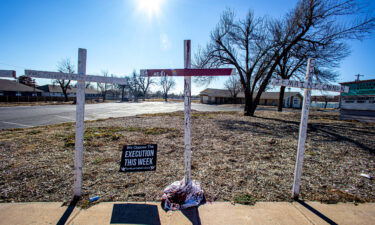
column 31, row 116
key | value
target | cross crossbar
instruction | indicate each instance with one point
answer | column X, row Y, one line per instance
column 314, row 86
column 187, row 72
column 70, row 76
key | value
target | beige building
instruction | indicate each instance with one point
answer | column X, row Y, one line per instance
column 222, row 96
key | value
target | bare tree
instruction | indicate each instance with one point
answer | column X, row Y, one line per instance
column 167, row 83
column 233, row 85
column 26, row 81
column 325, row 98
column 255, row 46
column 134, row 86
column 144, row 84
column 293, row 65
column 89, row 85
column 65, row 66
column 104, row 87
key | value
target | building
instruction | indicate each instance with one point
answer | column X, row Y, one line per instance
column 56, row 91
column 113, row 94
column 222, row 96
column 359, row 102
column 325, row 101
column 13, row 88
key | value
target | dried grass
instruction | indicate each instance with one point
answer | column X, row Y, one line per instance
column 236, row 158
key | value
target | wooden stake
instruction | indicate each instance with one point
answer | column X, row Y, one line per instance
column 303, row 130
column 187, row 110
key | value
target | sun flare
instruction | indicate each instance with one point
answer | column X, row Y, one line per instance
column 151, row 8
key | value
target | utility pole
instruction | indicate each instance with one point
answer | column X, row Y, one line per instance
column 358, row 75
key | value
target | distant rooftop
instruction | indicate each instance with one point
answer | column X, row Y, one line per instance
column 359, row 81
column 57, row 89
column 12, row 85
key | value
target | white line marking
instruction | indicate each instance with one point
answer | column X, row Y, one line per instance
column 18, row 124
column 65, row 117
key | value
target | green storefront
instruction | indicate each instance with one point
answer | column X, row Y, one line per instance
column 360, row 88
column 359, row 102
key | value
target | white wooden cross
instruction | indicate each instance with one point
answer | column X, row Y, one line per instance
column 308, row 86
column 187, row 73
column 81, row 78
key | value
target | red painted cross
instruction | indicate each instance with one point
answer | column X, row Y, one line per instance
column 187, row 73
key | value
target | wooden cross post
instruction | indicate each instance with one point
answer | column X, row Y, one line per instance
column 81, row 78
column 80, row 127
column 187, row 73
column 187, row 111
column 308, row 86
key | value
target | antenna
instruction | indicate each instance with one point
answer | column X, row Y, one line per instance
column 358, row 75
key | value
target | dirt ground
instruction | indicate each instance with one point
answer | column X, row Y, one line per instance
column 236, row 158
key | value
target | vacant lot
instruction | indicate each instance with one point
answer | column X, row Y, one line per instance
column 234, row 157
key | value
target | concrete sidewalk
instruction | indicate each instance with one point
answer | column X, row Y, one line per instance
column 212, row 213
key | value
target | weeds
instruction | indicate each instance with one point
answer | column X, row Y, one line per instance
column 93, row 134
column 150, row 131
column 244, row 199
column 34, row 132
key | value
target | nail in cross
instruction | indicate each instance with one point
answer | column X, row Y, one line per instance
column 187, row 73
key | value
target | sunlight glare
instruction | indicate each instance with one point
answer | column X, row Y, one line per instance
column 150, row 7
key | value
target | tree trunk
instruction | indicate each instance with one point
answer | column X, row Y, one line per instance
column 165, row 97
column 122, row 93
column 249, row 105
column 66, row 99
column 104, row 95
column 281, row 99
column 325, row 105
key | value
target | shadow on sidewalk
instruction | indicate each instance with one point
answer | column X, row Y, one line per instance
column 193, row 215
column 135, row 214
column 316, row 212
column 68, row 212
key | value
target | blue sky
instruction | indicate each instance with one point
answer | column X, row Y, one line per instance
column 120, row 36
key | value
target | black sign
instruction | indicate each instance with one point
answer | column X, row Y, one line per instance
column 138, row 158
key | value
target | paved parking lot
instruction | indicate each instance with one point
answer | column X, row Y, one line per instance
column 30, row 116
